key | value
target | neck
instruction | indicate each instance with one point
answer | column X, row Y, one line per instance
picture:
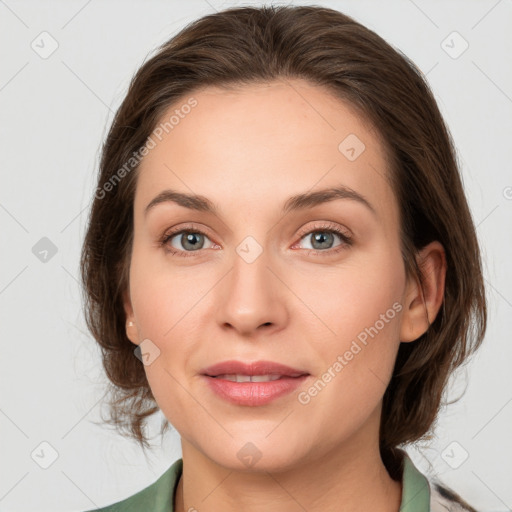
column 352, row 475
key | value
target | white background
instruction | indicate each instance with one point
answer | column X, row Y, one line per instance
column 55, row 113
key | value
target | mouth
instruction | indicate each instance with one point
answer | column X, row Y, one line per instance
column 249, row 378
column 246, row 372
column 253, row 384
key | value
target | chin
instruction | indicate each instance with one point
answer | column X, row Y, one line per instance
column 257, row 457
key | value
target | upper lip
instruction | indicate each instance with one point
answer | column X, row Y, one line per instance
column 252, row 368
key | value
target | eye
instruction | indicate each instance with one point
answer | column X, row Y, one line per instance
column 185, row 241
column 189, row 240
column 322, row 240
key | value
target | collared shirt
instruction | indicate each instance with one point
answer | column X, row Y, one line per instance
column 418, row 494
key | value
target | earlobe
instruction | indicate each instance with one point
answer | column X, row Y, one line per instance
column 132, row 332
column 422, row 303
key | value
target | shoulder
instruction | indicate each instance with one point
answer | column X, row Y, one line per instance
column 157, row 497
column 427, row 494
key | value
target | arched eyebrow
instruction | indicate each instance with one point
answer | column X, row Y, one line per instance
column 312, row 199
column 190, row 201
column 297, row 202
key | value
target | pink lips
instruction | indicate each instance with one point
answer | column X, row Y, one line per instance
column 253, row 393
column 254, row 368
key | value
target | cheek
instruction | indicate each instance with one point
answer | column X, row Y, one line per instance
column 342, row 301
column 358, row 360
column 360, row 305
column 163, row 296
column 164, row 307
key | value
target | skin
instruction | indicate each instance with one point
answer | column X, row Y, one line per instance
column 248, row 150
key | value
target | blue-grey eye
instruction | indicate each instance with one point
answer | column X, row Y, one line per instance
column 321, row 240
column 189, row 240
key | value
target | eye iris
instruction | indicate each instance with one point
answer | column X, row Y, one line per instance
column 321, row 237
column 191, row 238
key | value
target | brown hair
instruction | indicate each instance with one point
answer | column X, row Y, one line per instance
column 248, row 45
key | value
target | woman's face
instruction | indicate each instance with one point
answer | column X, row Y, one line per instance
column 263, row 277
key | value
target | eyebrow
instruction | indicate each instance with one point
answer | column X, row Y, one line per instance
column 294, row 203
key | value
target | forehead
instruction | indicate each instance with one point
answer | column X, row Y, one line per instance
column 262, row 143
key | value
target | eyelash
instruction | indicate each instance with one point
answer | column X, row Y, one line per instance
column 326, row 228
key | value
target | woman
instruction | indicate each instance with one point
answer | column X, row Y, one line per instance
column 280, row 257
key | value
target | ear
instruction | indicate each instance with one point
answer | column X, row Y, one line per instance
column 421, row 305
column 132, row 331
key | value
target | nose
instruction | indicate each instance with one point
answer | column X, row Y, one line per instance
column 252, row 297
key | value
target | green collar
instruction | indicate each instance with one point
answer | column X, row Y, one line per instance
column 159, row 496
column 415, row 488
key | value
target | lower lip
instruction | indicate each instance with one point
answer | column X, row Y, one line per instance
column 254, row 393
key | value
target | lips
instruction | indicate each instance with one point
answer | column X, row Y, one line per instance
column 230, row 368
column 252, row 384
